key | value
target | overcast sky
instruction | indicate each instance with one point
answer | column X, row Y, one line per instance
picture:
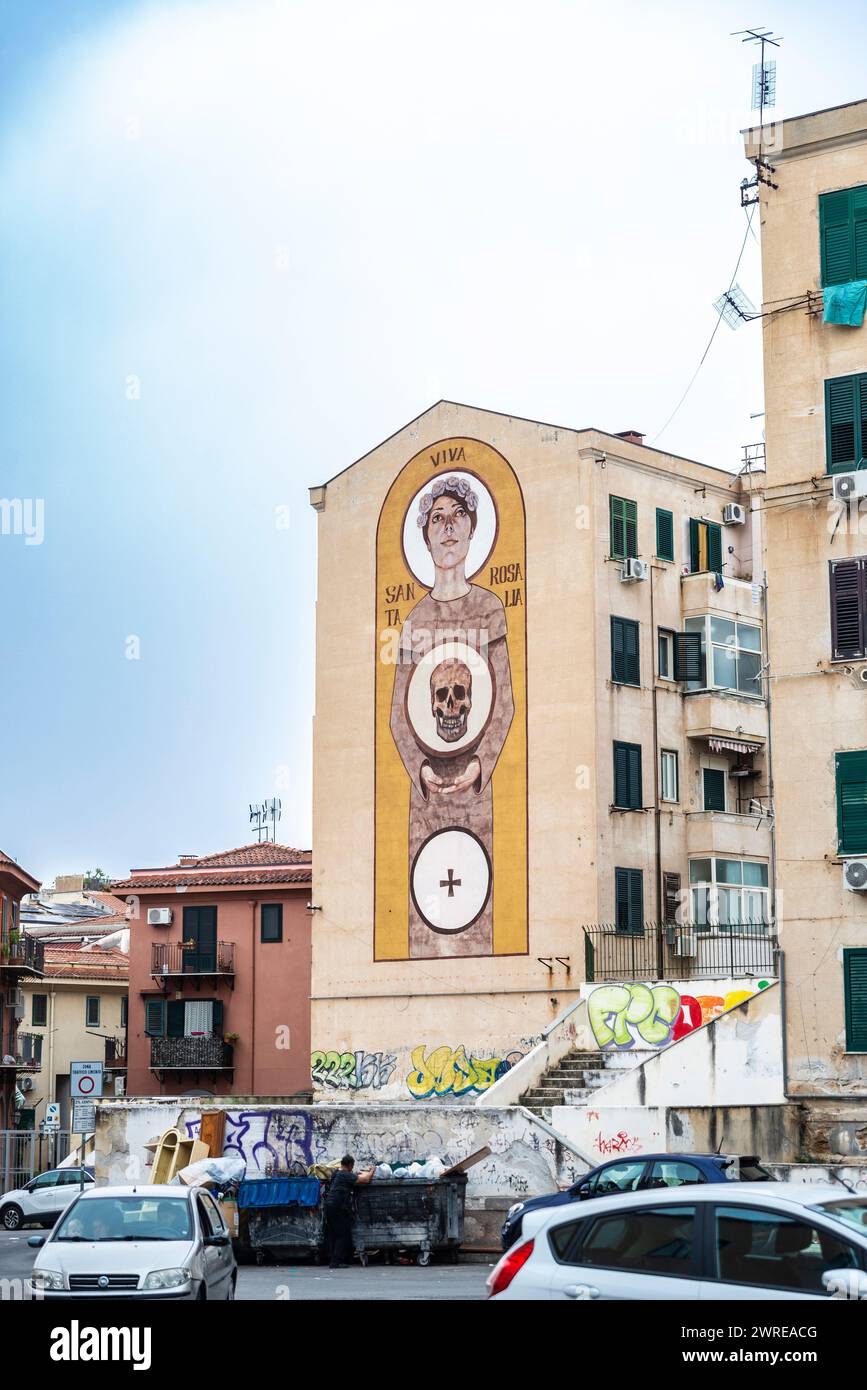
column 242, row 241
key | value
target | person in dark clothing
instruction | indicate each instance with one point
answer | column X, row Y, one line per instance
column 338, row 1211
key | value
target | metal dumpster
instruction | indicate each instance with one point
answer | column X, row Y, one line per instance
column 410, row 1214
column 279, row 1216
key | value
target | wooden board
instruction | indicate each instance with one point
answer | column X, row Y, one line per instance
column 468, row 1162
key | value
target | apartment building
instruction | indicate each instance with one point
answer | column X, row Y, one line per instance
column 21, row 958
column 540, row 743
column 219, row 974
column 813, row 207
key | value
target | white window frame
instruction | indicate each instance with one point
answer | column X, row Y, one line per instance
column 701, row 623
column 667, row 635
column 670, row 755
column 713, row 888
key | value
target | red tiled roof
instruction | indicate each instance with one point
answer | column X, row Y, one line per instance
column 11, row 866
column 109, row 900
column 263, row 877
column 70, row 962
column 255, row 855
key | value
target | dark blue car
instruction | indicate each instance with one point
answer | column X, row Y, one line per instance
column 640, row 1174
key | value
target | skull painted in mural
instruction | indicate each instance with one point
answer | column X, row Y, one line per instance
column 451, row 695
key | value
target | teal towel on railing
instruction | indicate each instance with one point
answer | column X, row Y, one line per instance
column 845, row 304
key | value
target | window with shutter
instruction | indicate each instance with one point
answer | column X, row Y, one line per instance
column 843, row 235
column 851, row 777
column 671, row 897
column 714, row 785
column 625, row 663
column 855, row 993
column 629, row 900
column 705, row 546
column 627, row 776
column 848, row 607
column 623, row 516
column 688, row 664
column 155, row 1017
column 845, row 422
column 664, row 534
column 175, row 1018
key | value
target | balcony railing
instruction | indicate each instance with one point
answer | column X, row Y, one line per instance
column 176, row 959
column 28, row 1050
column 24, row 953
column 663, row 951
column 207, row 1052
column 115, row 1053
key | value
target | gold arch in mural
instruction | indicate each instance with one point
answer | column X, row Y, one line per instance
column 450, row 798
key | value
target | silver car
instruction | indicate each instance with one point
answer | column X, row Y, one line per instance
column 42, row 1199
column 145, row 1242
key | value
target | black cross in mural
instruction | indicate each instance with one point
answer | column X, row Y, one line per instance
column 451, row 883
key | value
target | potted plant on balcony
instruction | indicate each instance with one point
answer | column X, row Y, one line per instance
column 188, row 945
column 231, row 1037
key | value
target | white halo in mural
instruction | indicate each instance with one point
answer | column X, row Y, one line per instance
column 451, row 880
column 415, row 551
column 419, row 699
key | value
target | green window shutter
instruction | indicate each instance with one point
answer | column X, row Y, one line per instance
column 855, row 996
column 664, row 534
column 714, row 547
column 714, row 789
column 617, row 527
column 851, row 779
column 836, row 233
column 155, row 1016
column 629, row 900
column 687, row 656
column 848, row 608
column 217, row 1018
column 859, row 220
column 623, row 518
column 627, row 776
column 625, row 663
column 844, row 408
column 175, row 1018
column 694, row 555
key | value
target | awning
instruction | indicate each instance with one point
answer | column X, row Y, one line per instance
column 732, row 745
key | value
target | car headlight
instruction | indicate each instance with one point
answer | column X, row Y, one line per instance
column 167, row 1279
column 45, row 1279
column 514, row 1209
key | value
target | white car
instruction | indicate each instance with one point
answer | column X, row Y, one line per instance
column 42, row 1199
column 145, row 1242
column 749, row 1241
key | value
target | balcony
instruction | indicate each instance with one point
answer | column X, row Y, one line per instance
column 662, row 951
column 717, row 714
column 174, row 960
column 728, row 835
column 23, row 1051
column 206, row 1052
column 24, row 954
column 115, row 1054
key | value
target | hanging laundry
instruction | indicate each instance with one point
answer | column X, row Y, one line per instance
column 845, row 304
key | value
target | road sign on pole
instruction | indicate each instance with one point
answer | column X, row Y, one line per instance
column 52, row 1115
column 85, row 1080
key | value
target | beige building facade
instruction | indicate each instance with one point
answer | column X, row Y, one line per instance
column 540, row 745
column 814, row 246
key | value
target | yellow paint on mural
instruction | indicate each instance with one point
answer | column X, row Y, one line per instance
column 496, row 562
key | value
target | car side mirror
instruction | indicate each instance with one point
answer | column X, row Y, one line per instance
column 216, row 1240
column 845, row 1283
column 584, row 1190
column 36, row 1241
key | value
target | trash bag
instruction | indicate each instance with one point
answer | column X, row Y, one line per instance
column 383, row 1170
column 214, row 1172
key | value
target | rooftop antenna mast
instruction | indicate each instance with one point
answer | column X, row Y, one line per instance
column 260, row 816
column 764, row 95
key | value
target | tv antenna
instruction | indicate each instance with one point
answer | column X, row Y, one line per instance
column 764, row 96
column 264, row 814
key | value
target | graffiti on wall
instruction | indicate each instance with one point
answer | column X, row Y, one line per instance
column 450, row 1071
column 450, row 799
column 279, row 1141
column 624, row 1016
column 352, row 1071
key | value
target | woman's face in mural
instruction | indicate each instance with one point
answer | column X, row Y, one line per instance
column 449, row 532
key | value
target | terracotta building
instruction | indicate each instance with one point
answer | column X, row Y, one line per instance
column 219, row 974
column 21, row 958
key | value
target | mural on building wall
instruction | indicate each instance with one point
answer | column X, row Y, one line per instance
column 624, row 1016
column 450, row 1071
column 451, row 777
column 352, row 1071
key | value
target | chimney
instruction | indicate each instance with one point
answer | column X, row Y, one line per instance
column 631, row 436
column 187, row 858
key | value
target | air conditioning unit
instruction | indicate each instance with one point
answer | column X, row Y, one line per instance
column 848, row 485
column 15, row 998
column 734, row 514
column 18, row 1011
column 855, row 875
column 686, row 945
column 25, row 1083
column 159, row 916
column 633, row 569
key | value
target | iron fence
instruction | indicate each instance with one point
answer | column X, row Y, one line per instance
column 174, row 958
column 24, row 953
column 671, row 951
column 115, row 1053
column 26, row 1152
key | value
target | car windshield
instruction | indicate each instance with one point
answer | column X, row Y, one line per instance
column 126, row 1218
column 852, row 1211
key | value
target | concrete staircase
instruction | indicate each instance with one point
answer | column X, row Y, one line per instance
column 571, row 1081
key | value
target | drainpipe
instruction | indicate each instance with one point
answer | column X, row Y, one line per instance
column 657, row 828
column 253, row 1006
column 773, row 865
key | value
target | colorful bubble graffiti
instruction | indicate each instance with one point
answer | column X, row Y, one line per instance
column 624, row 1016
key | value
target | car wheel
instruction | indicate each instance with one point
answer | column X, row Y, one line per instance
column 12, row 1217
